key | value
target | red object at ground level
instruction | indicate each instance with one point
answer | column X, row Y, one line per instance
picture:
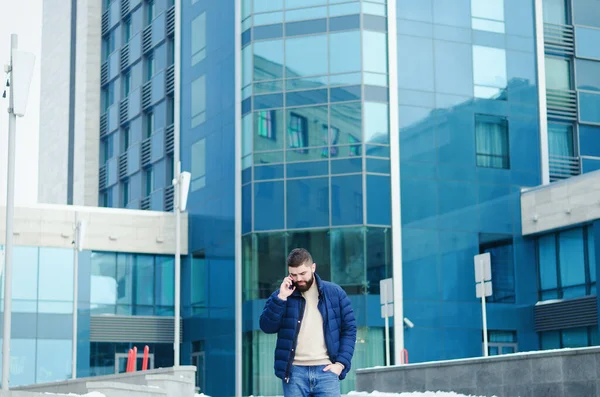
column 145, row 361
column 129, row 360
column 404, row 356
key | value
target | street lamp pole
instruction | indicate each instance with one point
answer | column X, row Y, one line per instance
column 181, row 183
column 20, row 70
column 10, row 202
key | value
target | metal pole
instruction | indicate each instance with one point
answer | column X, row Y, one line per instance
column 483, row 313
column 75, row 297
column 10, row 187
column 177, row 183
column 387, row 326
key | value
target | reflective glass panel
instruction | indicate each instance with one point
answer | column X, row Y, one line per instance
column 103, row 295
column 304, row 3
column 318, row 244
column 144, row 280
column 376, row 122
column 53, row 360
column 555, row 11
column 572, row 259
column 489, row 71
column 306, row 14
column 346, row 200
column 268, row 59
column 25, row 275
column 378, row 257
column 268, row 127
column 305, row 128
column 267, row 5
column 344, row 52
column 346, row 122
column 488, row 15
column 560, row 139
column 547, row 261
column 268, row 206
column 307, row 196
column 56, row 269
column 247, row 65
column 348, row 260
column 589, row 107
column 374, row 52
column 246, row 134
column 586, row 42
column 558, row 73
column 165, row 281
column 588, row 74
column 585, row 12
column 306, row 56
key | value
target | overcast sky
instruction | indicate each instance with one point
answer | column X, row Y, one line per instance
column 24, row 18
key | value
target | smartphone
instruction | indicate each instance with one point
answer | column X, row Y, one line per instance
column 293, row 285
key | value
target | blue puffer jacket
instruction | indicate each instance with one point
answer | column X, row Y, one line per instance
column 284, row 318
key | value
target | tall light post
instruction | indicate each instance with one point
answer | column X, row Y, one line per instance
column 20, row 70
column 181, row 182
column 79, row 233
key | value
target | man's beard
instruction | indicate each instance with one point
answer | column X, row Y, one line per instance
column 306, row 287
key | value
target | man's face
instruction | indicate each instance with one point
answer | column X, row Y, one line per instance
column 303, row 276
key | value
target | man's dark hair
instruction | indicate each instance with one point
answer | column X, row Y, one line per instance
column 299, row 257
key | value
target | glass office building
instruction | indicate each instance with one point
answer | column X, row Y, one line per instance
column 300, row 120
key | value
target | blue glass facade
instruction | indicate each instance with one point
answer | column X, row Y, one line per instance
column 316, row 165
column 469, row 133
column 572, row 63
column 137, row 113
column 109, row 283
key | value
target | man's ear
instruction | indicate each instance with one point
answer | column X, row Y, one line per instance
column 314, row 267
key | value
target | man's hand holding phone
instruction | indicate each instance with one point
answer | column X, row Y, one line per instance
column 287, row 288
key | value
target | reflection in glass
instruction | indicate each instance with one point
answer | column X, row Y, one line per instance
column 56, row 270
column 268, row 157
column 305, row 14
column 344, row 52
column 22, row 361
column 378, row 257
column 199, row 283
column 307, row 196
column 25, row 275
column 246, row 135
column 264, row 264
column 376, row 123
column 346, row 200
column 268, row 18
column 304, row 127
column 346, row 118
column 585, row 12
column 165, row 282
column 268, row 127
column 246, row 65
column 374, row 52
column 555, row 11
column 586, row 42
column 558, row 73
column 268, row 60
column 348, row 260
column 491, row 138
column 267, row 5
column 53, row 360
column 306, row 56
column 489, row 72
column 588, row 75
column 304, row 3
column 488, row 15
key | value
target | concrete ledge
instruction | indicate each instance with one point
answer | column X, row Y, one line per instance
column 79, row 386
column 555, row 373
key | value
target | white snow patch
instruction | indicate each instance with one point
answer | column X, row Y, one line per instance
column 412, row 394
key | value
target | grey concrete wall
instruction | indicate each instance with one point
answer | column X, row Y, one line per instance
column 558, row 373
column 183, row 374
column 54, row 102
column 560, row 204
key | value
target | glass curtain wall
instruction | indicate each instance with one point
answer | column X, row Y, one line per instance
column 315, row 161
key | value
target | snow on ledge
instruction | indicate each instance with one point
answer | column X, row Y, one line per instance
column 413, row 394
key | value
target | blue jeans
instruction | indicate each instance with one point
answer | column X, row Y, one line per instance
column 311, row 381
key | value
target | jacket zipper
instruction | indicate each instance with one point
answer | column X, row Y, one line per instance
column 292, row 353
